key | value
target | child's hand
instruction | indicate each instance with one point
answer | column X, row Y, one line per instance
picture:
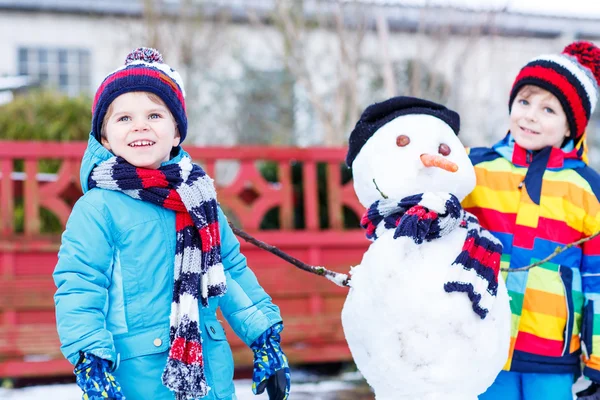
column 95, row 379
column 271, row 369
column 591, row 393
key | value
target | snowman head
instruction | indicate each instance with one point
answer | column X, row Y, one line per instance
column 405, row 146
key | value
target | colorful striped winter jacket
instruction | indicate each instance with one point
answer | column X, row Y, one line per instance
column 534, row 202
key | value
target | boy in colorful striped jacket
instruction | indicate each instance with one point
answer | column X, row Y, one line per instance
column 535, row 192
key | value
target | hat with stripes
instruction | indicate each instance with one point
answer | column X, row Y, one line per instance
column 572, row 76
column 144, row 71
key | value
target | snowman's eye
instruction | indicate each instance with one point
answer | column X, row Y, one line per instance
column 444, row 149
column 402, row 141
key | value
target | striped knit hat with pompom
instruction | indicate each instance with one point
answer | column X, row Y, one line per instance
column 144, row 71
column 572, row 76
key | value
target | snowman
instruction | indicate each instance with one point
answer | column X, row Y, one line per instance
column 427, row 316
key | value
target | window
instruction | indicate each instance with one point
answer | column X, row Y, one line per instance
column 67, row 70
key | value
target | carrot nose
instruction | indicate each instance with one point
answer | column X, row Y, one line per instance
column 431, row 160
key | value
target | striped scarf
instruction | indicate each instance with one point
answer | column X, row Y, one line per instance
column 186, row 189
column 430, row 216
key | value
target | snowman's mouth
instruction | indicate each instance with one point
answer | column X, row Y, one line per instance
column 380, row 192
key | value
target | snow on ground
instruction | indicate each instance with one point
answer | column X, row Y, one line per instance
column 304, row 387
column 317, row 391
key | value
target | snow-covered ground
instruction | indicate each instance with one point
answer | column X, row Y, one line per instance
column 305, row 386
column 243, row 391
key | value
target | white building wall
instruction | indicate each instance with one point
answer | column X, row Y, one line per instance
column 480, row 69
column 108, row 38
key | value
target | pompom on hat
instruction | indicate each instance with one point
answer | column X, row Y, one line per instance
column 572, row 76
column 144, row 71
column 377, row 115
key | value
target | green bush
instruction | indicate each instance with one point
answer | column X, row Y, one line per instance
column 46, row 115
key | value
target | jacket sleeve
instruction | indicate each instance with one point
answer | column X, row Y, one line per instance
column 246, row 306
column 82, row 277
column 590, row 275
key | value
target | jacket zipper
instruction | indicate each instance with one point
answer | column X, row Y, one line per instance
column 568, row 316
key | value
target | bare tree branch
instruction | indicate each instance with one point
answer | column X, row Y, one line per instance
column 389, row 81
column 337, row 108
column 151, row 18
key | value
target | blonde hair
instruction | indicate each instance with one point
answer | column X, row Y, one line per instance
column 529, row 90
column 153, row 98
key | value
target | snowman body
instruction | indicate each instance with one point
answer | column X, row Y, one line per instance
column 410, row 338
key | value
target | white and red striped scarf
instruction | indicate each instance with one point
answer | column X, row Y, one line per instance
column 186, row 189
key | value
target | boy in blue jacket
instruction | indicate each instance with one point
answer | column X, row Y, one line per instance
column 147, row 257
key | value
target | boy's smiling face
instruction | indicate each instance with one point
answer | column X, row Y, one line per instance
column 537, row 119
column 140, row 128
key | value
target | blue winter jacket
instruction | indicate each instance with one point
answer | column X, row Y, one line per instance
column 115, row 282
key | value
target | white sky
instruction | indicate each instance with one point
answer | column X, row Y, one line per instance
column 572, row 8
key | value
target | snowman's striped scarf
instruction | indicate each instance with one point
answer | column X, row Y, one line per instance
column 429, row 216
column 184, row 188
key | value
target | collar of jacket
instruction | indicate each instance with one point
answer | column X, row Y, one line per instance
column 537, row 162
column 557, row 158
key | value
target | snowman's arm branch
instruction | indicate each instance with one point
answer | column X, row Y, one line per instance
column 335, row 277
column 556, row 252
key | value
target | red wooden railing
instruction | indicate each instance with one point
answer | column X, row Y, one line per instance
column 310, row 304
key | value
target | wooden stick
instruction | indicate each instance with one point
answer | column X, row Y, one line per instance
column 343, row 279
column 336, row 277
column 556, row 252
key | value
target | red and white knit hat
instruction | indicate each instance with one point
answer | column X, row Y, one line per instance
column 572, row 76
